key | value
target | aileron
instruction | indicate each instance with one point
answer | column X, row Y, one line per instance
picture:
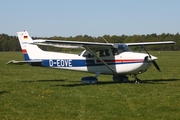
column 150, row 43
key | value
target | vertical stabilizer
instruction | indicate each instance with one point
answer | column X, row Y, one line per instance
column 29, row 51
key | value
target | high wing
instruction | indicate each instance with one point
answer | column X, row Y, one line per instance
column 150, row 43
column 94, row 45
column 71, row 44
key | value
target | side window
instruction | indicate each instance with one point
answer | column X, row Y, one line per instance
column 103, row 53
column 87, row 54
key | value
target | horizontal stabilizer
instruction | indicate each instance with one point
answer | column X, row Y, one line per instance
column 24, row 62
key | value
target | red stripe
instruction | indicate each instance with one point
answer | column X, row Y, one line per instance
column 115, row 61
column 24, row 51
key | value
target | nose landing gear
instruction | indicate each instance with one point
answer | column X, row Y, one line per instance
column 137, row 80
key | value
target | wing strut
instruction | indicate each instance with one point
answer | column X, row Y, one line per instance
column 100, row 59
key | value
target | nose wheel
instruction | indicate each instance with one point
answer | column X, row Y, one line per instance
column 137, row 80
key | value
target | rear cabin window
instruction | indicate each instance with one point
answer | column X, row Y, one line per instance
column 99, row 53
column 103, row 53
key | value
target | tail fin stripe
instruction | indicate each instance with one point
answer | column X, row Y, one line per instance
column 24, row 51
column 26, row 57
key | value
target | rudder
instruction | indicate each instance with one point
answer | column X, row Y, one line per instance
column 28, row 50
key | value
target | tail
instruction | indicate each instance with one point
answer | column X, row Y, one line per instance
column 29, row 51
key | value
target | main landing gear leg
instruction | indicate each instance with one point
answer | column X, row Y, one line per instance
column 137, row 80
column 97, row 74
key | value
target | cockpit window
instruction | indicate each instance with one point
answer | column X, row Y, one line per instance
column 107, row 52
column 121, row 48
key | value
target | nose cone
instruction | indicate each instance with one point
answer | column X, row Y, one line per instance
column 153, row 58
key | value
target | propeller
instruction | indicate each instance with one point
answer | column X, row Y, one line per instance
column 156, row 65
column 153, row 61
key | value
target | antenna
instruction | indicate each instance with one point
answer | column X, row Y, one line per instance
column 104, row 39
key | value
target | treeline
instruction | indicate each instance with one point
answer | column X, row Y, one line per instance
column 11, row 43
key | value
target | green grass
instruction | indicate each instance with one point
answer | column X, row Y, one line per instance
column 39, row 93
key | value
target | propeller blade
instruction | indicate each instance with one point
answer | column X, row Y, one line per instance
column 153, row 61
column 156, row 65
column 146, row 51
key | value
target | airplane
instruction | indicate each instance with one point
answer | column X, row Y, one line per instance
column 115, row 59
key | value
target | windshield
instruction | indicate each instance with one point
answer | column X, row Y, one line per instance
column 121, row 48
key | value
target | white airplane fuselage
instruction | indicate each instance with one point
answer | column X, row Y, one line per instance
column 124, row 63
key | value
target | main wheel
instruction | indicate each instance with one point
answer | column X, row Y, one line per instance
column 120, row 78
column 89, row 80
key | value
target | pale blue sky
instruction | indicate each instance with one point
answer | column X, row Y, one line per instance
column 46, row 18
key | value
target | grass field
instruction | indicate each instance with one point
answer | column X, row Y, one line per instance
column 39, row 93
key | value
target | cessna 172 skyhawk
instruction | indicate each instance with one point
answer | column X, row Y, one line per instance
column 100, row 58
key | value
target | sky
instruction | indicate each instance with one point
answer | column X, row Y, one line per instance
column 48, row 18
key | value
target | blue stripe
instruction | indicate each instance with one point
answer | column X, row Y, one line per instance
column 76, row 63
column 26, row 57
